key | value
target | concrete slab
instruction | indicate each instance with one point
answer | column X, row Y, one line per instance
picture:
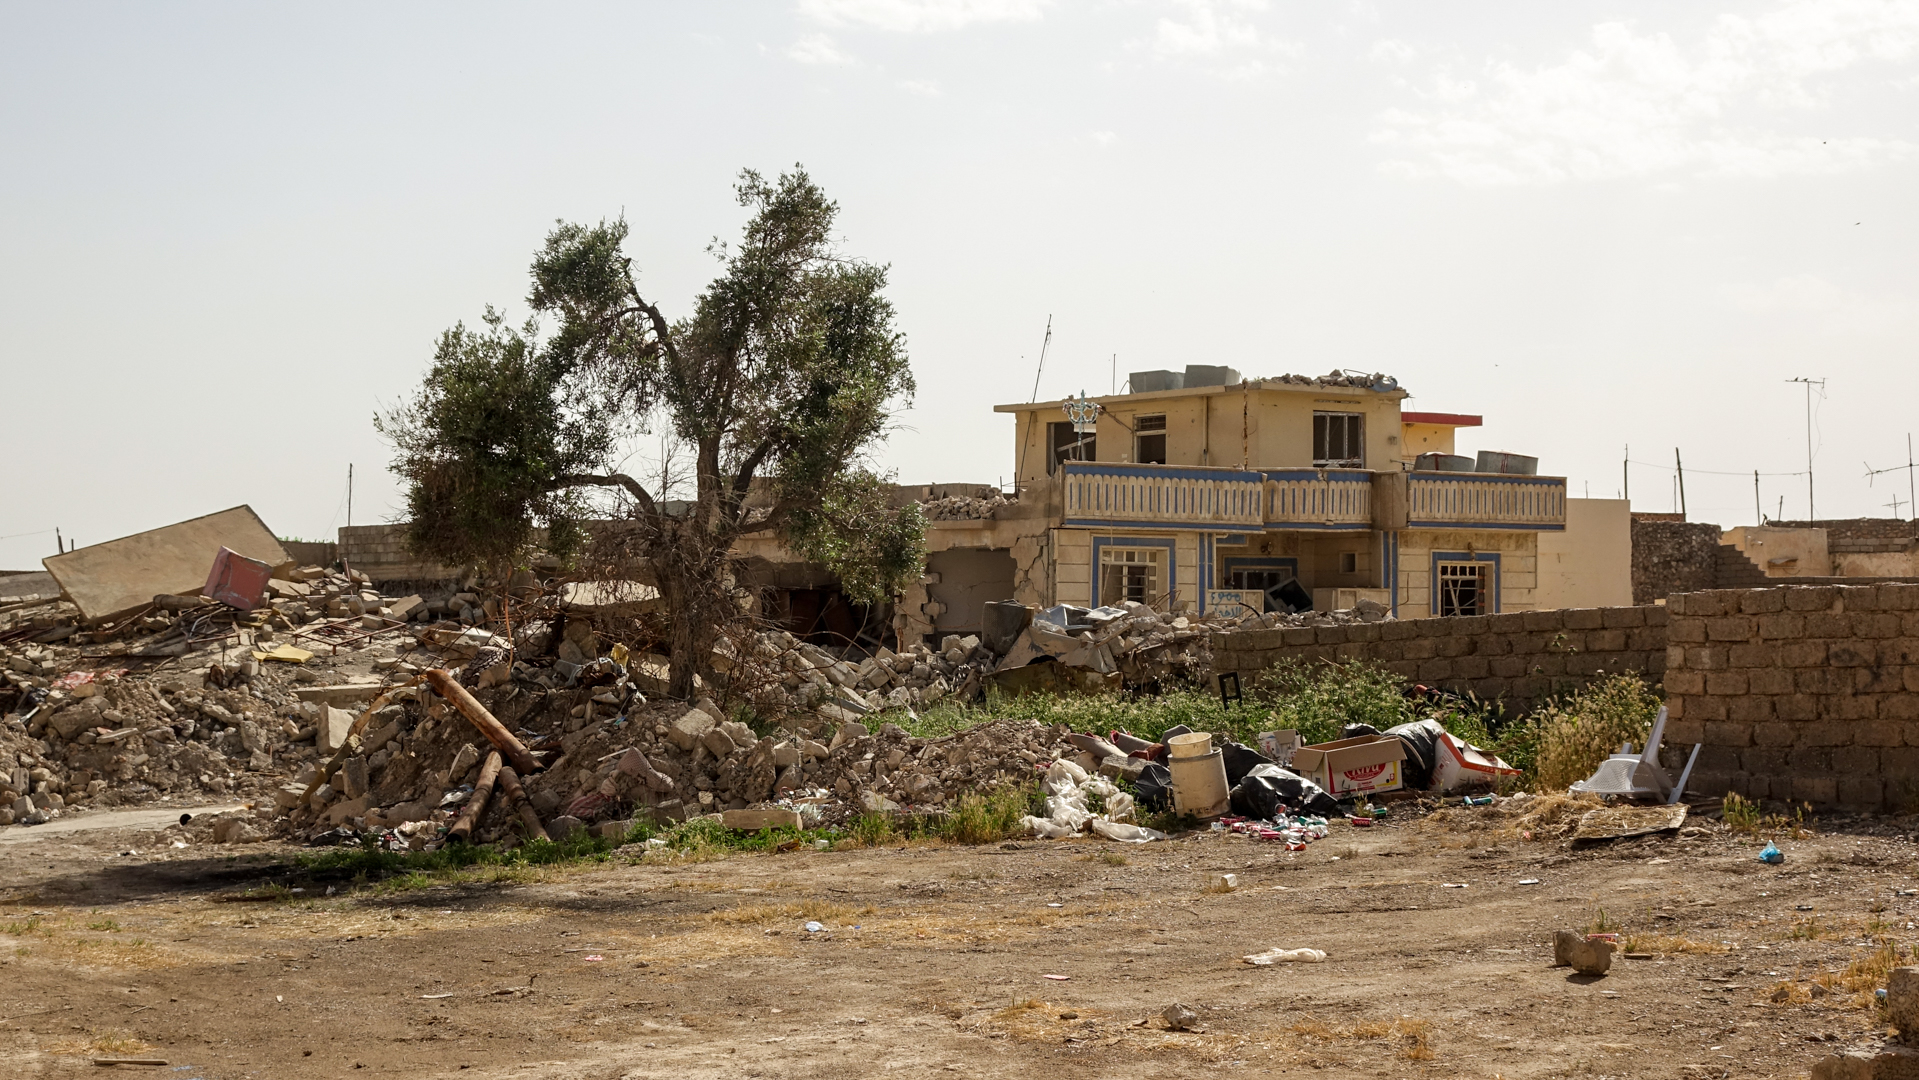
column 116, row 577
column 32, row 585
column 67, row 825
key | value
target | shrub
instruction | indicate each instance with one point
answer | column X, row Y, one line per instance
column 1575, row 734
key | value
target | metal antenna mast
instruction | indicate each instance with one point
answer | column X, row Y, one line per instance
column 1042, row 359
column 1811, row 513
column 1912, row 488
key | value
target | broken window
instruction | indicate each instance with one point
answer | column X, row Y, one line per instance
column 1338, row 441
column 1464, row 588
column 1130, row 574
column 1068, row 445
column 1261, row 578
column 1149, row 440
column 1354, row 562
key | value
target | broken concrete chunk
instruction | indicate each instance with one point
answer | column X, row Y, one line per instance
column 690, row 727
column 718, row 742
column 755, row 820
column 331, row 731
column 1902, row 1002
column 1588, row 957
column 848, row 731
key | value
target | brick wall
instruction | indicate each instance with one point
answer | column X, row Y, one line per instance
column 379, row 552
column 1517, row 658
column 1670, row 557
column 1807, row 693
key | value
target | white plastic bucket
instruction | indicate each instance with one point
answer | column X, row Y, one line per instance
column 1195, row 744
column 1199, row 783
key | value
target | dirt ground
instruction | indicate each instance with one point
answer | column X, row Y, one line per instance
column 935, row 960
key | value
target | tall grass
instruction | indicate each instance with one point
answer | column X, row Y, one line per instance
column 1574, row 734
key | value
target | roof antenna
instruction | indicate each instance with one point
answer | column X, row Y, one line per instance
column 1042, row 359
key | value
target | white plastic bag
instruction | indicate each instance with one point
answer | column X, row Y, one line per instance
column 1125, row 834
column 1286, row 956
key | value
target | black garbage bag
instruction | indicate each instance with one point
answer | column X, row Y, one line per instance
column 1154, row 788
column 1354, row 731
column 1240, row 759
column 1422, row 750
column 1269, row 789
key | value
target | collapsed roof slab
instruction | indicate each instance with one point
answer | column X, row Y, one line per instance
column 119, row 576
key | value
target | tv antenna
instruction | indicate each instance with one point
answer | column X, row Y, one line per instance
column 1811, row 514
column 1912, row 488
column 1042, row 359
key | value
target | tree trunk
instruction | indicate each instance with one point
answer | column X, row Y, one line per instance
column 690, row 591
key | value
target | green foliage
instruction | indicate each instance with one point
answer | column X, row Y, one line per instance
column 1318, row 699
column 771, row 395
column 1575, row 734
column 871, row 545
column 991, row 817
column 480, row 445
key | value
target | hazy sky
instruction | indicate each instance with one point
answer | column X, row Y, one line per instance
column 230, row 233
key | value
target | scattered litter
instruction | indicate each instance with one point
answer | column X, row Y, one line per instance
column 1529, row 881
column 1452, row 885
column 1056, row 905
column 1056, row 978
column 434, row 997
column 1285, row 956
column 595, row 956
column 1771, row 854
column 814, row 927
column 130, row 1061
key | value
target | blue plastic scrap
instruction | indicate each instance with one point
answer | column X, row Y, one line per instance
column 1772, row 854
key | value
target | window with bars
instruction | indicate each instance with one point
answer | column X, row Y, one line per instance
column 1338, row 440
column 1130, row 574
column 1149, row 440
column 1464, row 588
column 1069, row 445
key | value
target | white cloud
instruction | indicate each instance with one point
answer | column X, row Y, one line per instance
column 1103, row 138
column 1637, row 104
column 1807, row 296
column 817, row 49
column 1391, row 51
column 1219, row 34
column 922, row 87
column 920, row 16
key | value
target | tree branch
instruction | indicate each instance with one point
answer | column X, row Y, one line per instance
column 619, row 480
column 743, row 479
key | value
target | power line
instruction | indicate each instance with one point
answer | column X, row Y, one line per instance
column 1711, row 472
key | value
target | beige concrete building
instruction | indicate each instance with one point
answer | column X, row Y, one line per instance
column 1589, row 563
column 1202, row 491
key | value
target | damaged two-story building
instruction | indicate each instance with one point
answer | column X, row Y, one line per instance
column 1199, row 490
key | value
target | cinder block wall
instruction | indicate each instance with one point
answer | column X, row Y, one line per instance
column 379, row 552
column 1808, row 693
column 1518, row 658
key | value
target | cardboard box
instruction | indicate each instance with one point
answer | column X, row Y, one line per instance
column 1358, row 766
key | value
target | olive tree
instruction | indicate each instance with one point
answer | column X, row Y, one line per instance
column 774, row 391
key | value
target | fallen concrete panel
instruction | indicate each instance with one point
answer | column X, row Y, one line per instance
column 119, row 576
column 33, row 585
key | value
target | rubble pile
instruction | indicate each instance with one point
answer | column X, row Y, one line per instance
column 1374, row 381
column 966, row 507
column 610, row 755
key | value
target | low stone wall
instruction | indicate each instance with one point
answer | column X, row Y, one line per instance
column 1517, row 659
column 1807, row 693
column 379, row 552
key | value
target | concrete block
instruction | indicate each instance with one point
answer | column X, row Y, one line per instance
column 1891, row 1062
column 718, row 742
column 687, row 731
column 330, row 731
column 1810, row 597
column 755, row 820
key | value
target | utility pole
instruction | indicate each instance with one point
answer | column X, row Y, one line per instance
column 349, row 494
column 1680, row 468
column 1625, row 469
column 59, row 545
column 1048, row 340
column 1812, row 514
column 1758, row 515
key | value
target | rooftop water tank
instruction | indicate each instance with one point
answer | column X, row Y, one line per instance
column 1437, row 462
column 1210, row 375
column 1499, row 461
column 1147, row 382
